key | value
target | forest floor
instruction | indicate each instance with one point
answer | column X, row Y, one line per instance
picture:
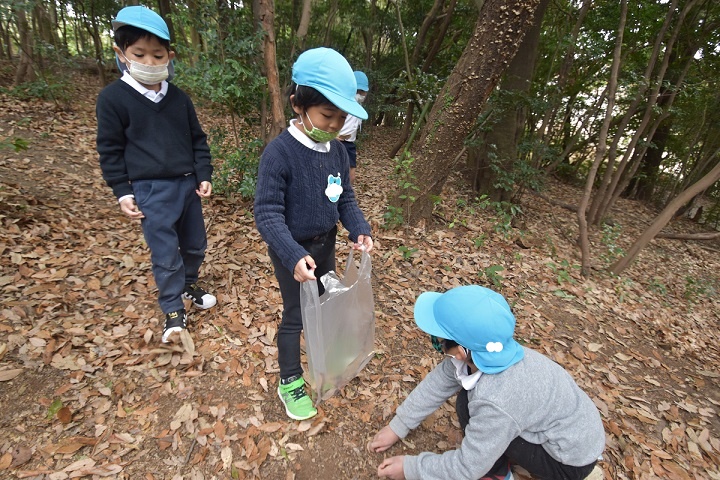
column 88, row 391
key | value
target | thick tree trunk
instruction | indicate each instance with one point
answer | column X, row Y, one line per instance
column 498, row 151
column 497, row 36
column 24, row 72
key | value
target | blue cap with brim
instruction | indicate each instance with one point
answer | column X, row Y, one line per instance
column 475, row 317
column 143, row 18
column 329, row 73
column 362, row 81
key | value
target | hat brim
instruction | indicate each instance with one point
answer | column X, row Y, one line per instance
column 425, row 315
column 350, row 106
column 147, row 28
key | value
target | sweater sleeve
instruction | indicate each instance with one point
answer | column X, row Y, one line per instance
column 111, row 143
column 201, row 150
column 269, row 210
column 434, row 390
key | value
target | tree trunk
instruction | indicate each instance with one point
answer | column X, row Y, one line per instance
column 264, row 13
column 495, row 40
column 24, row 72
column 302, row 28
column 665, row 216
column 498, row 151
column 602, row 144
column 165, row 8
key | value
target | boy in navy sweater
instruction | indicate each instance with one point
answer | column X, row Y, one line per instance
column 303, row 189
column 154, row 155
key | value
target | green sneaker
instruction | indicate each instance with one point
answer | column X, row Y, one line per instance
column 298, row 404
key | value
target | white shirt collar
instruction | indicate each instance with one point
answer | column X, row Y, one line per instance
column 150, row 94
column 300, row 136
column 461, row 372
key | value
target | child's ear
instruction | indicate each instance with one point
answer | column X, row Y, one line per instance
column 120, row 54
column 171, row 55
column 295, row 108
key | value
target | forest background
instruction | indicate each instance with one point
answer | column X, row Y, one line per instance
column 482, row 115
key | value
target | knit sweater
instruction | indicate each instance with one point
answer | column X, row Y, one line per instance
column 535, row 399
column 138, row 139
column 291, row 204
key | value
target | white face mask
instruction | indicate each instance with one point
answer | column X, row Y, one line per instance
column 360, row 98
column 147, row 74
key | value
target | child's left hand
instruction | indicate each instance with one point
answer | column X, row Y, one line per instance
column 364, row 241
column 204, row 189
column 392, row 468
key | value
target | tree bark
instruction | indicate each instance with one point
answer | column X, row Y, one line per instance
column 264, row 12
column 665, row 216
column 24, row 72
column 602, row 143
column 498, row 33
column 499, row 145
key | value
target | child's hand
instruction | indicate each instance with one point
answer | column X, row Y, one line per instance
column 383, row 440
column 392, row 468
column 305, row 269
column 204, row 189
column 365, row 241
column 129, row 208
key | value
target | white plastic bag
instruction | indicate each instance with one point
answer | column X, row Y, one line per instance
column 339, row 327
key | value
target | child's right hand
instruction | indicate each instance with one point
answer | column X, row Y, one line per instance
column 305, row 269
column 383, row 440
column 129, row 208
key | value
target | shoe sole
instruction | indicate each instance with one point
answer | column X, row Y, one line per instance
column 204, row 307
column 289, row 413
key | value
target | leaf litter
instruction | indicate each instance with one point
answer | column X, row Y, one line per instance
column 88, row 391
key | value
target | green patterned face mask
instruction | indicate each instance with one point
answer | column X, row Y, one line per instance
column 320, row 136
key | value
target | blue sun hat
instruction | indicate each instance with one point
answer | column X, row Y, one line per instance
column 475, row 317
column 329, row 73
column 144, row 19
column 362, row 81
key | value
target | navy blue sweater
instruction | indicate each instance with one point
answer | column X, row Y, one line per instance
column 290, row 200
column 138, row 139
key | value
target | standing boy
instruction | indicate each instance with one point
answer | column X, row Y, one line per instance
column 348, row 134
column 154, row 155
column 302, row 191
column 516, row 406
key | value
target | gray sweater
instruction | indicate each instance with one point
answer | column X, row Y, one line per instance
column 535, row 399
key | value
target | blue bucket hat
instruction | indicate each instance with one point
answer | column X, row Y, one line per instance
column 329, row 73
column 362, row 81
column 475, row 317
column 144, row 19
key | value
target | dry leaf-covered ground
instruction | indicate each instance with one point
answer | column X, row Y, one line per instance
column 88, row 391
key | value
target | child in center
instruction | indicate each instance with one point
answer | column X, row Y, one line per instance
column 303, row 189
column 155, row 157
column 515, row 405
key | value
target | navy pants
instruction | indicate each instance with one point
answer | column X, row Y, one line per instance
column 352, row 153
column 530, row 456
column 174, row 231
column 322, row 250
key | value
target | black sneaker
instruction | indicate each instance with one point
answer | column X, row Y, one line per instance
column 174, row 322
column 200, row 298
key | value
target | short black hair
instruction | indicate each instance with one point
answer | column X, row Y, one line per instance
column 305, row 97
column 127, row 35
column 448, row 344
